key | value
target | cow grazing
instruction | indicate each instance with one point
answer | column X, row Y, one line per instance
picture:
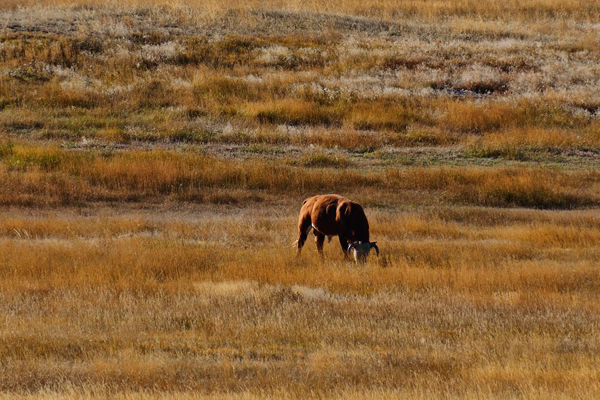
column 332, row 215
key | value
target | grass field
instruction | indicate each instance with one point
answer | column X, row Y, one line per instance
column 154, row 156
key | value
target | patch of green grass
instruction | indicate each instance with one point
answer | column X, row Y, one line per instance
column 261, row 148
column 508, row 152
column 225, row 89
column 390, row 158
column 46, row 159
column 323, row 160
column 6, row 149
column 296, row 113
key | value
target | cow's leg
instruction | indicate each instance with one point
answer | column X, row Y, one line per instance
column 344, row 244
column 304, row 227
column 320, row 238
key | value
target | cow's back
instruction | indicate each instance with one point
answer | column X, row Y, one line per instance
column 334, row 215
column 321, row 210
column 352, row 221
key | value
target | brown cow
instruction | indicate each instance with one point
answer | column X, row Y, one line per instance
column 332, row 215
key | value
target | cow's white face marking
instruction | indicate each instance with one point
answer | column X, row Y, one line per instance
column 360, row 251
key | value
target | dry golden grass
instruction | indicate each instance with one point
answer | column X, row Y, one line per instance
column 462, row 302
column 530, row 9
column 53, row 176
column 153, row 156
column 159, row 75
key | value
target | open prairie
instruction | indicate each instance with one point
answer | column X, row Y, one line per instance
column 154, row 156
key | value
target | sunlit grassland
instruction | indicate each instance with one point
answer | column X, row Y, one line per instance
column 51, row 176
column 461, row 300
column 154, row 155
column 384, row 9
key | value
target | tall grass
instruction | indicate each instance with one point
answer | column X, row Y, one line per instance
column 531, row 9
column 54, row 176
column 122, row 302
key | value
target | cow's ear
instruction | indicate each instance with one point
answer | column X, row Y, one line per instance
column 374, row 246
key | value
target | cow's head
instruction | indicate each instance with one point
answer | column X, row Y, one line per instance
column 360, row 250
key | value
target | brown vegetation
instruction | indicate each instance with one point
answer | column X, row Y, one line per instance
column 461, row 301
column 153, row 156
